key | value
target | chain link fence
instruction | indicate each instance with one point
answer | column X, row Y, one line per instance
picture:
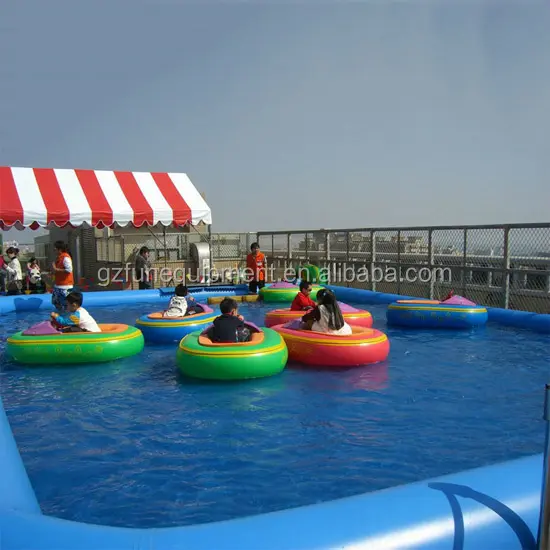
column 499, row 266
column 192, row 257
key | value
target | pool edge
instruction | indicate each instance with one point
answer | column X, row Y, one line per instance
column 427, row 512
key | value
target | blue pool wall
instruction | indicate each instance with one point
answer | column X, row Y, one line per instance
column 539, row 322
column 491, row 507
column 35, row 302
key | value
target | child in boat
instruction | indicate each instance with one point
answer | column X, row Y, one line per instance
column 229, row 326
column 327, row 316
column 302, row 300
column 181, row 303
column 77, row 319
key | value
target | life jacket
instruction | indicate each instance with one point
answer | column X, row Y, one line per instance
column 62, row 278
column 256, row 265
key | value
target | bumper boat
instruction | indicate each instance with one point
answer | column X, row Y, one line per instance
column 284, row 292
column 352, row 316
column 363, row 347
column 164, row 330
column 264, row 355
column 44, row 345
column 454, row 313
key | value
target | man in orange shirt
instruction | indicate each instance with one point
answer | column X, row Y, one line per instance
column 256, row 268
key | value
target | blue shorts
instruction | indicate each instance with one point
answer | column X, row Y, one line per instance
column 59, row 298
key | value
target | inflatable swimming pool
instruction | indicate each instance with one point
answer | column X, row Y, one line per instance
column 264, row 355
column 37, row 345
column 434, row 314
column 364, row 346
column 284, row 292
column 163, row 330
column 495, row 506
column 353, row 316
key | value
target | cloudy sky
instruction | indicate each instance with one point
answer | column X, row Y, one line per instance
column 292, row 115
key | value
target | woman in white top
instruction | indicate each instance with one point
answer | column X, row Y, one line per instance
column 327, row 316
column 15, row 277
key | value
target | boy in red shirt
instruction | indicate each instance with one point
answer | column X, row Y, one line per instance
column 256, row 266
column 302, row 300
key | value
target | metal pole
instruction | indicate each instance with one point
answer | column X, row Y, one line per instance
column 210, row 258
column 431, row 263
column 399, row 262
column 543, row 536
column 506, row 278
column 463, row 278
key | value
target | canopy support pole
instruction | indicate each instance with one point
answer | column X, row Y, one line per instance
column 211, row 260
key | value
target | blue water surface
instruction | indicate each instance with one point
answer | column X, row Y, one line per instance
column 133, row 443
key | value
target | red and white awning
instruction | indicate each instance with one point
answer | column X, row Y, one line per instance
column 42, row 197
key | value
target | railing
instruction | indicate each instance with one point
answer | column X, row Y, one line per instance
column 496, row 265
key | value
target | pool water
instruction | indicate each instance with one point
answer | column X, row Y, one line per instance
column 133, row 443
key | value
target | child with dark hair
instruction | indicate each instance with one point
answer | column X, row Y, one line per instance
column 77, row 318
column 256, row 268
column 327, row 316
column 181, row 303
column 302, row 301
column 62, row 270
column 229, row 326
column 142, row 267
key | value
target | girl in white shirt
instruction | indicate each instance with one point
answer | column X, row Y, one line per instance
column 327, row 316
column 15, row 277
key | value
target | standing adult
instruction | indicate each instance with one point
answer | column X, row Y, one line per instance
column 3, row 271
column 142, row 268
column 62, row 270
column 13, row 269
column 256, row 268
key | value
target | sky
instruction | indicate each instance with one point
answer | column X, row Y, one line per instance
column 292, row 115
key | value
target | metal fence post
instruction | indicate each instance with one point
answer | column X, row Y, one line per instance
column 327, row 257
column 373, row 259
column 347, row 258
column 399, row 262
column 431, row 263
column 543, row 535
column 464, row 257
column 164, row 245
column 289, row 249
column 506, row 278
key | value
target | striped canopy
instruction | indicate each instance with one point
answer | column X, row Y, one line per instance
column 47, row 197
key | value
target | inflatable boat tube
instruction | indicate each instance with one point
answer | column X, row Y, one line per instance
column 419, row 314
column 157, row 329
column 313, row 274
column 352, row 316
column 38, row 347
column 364, row 346
column 264, row 355
column 284, row 292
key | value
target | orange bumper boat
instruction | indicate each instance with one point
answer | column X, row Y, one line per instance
column 353, row 317
column 364, row 346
